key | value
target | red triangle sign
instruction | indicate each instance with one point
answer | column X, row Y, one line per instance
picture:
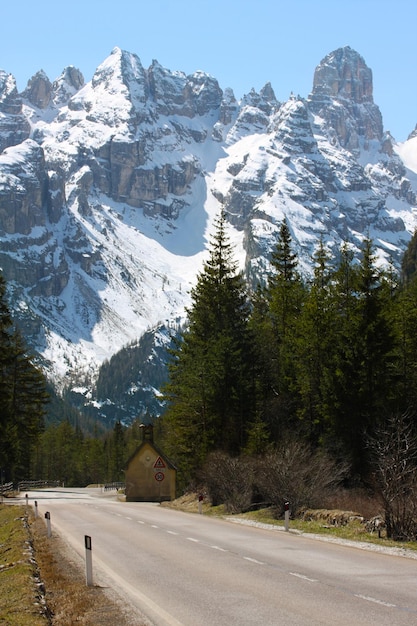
column 159, row 463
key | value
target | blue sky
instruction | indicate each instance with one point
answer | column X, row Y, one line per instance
column 242, row 43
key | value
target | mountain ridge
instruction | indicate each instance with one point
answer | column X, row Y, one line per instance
column 108, row 191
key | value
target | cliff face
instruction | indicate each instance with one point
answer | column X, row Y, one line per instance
column 343, row 96
column 108, row 190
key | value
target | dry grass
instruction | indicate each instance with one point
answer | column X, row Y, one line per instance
column 188, row 503
column 21, row 600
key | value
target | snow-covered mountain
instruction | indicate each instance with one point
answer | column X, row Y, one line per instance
column 108, row 191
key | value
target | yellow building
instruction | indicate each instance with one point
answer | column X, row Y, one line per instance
column 150, row 476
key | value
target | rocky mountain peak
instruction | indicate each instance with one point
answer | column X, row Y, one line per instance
column 265, row 100
column 204, row 91
column 413, row 133
column 228, row 108
column 14, row 127
column 268, row 94
column 39, row 90
column 67, row 84
column 8, row 91
column 343, row 96
column 167, row 89
column 121, row 73
column 174, row 93
column 293, row 129
column 344, row 75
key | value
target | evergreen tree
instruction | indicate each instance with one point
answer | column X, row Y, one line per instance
column 275, row 322
column 210, row 391
column 27, row 406
column 409, row 261
column 285, row 285
column 314, row 348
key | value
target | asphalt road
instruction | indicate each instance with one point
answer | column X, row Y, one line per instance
column 193, row 570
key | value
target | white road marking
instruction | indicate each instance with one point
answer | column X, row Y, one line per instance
column 154, row 526
column 370, row 599
column 171, row 532
column 128, row 518
column 303, row 577
column 248, row 558
column 140, row 521
column 219, row 548
column 192, row 539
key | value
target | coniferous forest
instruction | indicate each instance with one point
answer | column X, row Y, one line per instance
column 326, row 361
column 293, row 387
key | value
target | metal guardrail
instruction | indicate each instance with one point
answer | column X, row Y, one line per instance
column 27, row 485
column 115, row 485
column 6, row 488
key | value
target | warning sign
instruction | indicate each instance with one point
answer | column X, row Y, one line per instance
column 159, row 476
column 159, row 463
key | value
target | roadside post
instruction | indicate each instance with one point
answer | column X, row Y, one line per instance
column 200, row 503
column 88, row 561
column 27, row 502
column 287, row 515
column 36, row 508
column 48, row 523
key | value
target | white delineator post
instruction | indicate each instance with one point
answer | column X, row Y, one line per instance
column 287, row 515
column 88, row 561
column 48, row 523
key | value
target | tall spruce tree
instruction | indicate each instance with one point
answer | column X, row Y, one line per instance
column 315, row 341
column 275, row 322
column 27, row 406
column 210, row 390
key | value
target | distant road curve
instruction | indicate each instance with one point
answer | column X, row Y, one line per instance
column 182, row 569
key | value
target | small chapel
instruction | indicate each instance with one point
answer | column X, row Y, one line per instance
column 150, row 475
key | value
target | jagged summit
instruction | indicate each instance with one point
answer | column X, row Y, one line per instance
column 344, row 75
column 66, row 85
column 108, row 192
column 342, row 95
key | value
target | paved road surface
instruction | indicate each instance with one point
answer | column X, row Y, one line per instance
column 193, row 570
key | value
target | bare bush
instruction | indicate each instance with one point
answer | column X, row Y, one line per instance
column 394, row 453
column 228, row 481
column 295, row 473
